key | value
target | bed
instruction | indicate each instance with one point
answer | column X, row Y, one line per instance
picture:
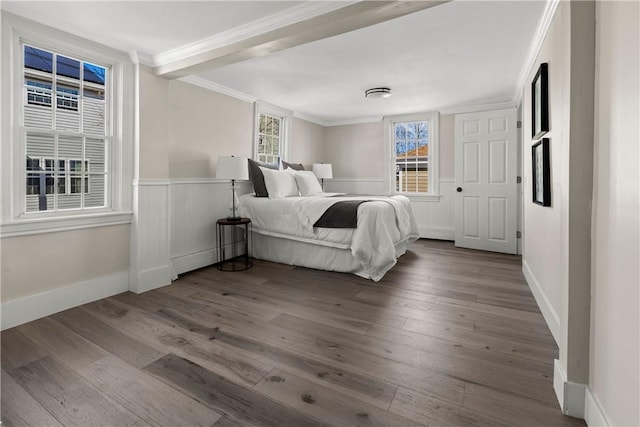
column 284, row 232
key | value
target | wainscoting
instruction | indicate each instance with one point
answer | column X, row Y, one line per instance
column 150, row 242
column 434, row 217
column 195, row 205
column 175, row 228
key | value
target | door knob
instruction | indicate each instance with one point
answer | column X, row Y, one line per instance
column 459, row 189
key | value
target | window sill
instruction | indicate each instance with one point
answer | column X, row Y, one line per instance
column 25, row 227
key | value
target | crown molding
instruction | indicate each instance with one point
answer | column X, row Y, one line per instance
column 295, row 14
column 142, row 58
column 357, row 121
column 309, row 118
column 535, row 46
column 479, row 107
column 215, row 87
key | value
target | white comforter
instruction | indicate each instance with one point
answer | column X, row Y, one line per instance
column 383, row 223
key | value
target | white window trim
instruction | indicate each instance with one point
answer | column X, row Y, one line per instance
column 434, row 141
column 15, row 32
column 285, row 128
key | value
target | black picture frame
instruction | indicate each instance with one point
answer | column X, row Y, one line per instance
column 541, row 172
column 540, row 102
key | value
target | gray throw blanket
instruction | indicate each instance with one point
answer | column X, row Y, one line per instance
column 343, row 214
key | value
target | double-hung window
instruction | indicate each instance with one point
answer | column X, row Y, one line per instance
column 66, row 141
column 67, row 131
column 272, row 126
column 269, row 138
column 413, row 148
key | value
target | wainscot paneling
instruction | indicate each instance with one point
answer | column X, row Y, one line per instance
column 150, row 238
column 434, row 214
column 195, row 206
column 435, row 217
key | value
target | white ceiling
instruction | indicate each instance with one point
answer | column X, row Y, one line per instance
column 457, row 54
column 146, row 26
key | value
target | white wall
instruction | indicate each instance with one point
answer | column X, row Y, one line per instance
column 44, row 262
column 307, row 143
column 583, row 268
column 447, row 146
column 545, row 251
column 614, row 373
column 149, row 258
column 153, row 147
column 204, row 125
column 357, row 153
column 182, row 131
column 46, row 273
column 197, row 199
column 556, row 256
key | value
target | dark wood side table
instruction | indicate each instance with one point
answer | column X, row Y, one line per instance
column 236, row 262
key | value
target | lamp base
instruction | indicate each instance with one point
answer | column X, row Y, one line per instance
column 234, row 218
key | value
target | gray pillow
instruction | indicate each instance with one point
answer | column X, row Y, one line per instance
column 256, row 177
column 294, row 166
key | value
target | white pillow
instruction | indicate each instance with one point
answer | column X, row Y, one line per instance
column 308, row 183
column 279, row 183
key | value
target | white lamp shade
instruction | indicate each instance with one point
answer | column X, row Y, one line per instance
column 231, row 167
column 322, row 170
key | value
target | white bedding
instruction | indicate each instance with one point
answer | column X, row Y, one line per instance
column 384, row 224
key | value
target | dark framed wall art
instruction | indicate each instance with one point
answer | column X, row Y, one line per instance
column 540, row 102
column 541, row 172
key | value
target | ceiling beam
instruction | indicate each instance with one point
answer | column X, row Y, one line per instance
column 340, row 21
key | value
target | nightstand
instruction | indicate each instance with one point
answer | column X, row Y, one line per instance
column 236, row 261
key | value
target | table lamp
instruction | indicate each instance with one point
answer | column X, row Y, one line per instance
column 322, row 171
column 233, row 168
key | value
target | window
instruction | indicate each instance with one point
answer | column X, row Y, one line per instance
column 66, row 142
column 69, row 175
column 271, row 136
column 67, row 131
column 413, row 143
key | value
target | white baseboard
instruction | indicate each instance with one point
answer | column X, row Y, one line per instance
column 574, row 397
column 549, row 314
column 189, row 262
column 436, row 233
column 185, row 263
column 559, row 378
column 576, row 400
column 593, row 413
column 153, row 279
column 22, row 310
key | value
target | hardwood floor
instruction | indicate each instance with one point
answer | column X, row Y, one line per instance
column 449, row 337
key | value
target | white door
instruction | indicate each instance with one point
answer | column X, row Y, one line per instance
column 486, row 162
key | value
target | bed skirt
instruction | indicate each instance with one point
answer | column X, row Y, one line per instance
column 305, row 254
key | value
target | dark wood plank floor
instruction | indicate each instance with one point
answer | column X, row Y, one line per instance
column 449, row 337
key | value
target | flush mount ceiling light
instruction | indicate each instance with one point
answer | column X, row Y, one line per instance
column 377, row 92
